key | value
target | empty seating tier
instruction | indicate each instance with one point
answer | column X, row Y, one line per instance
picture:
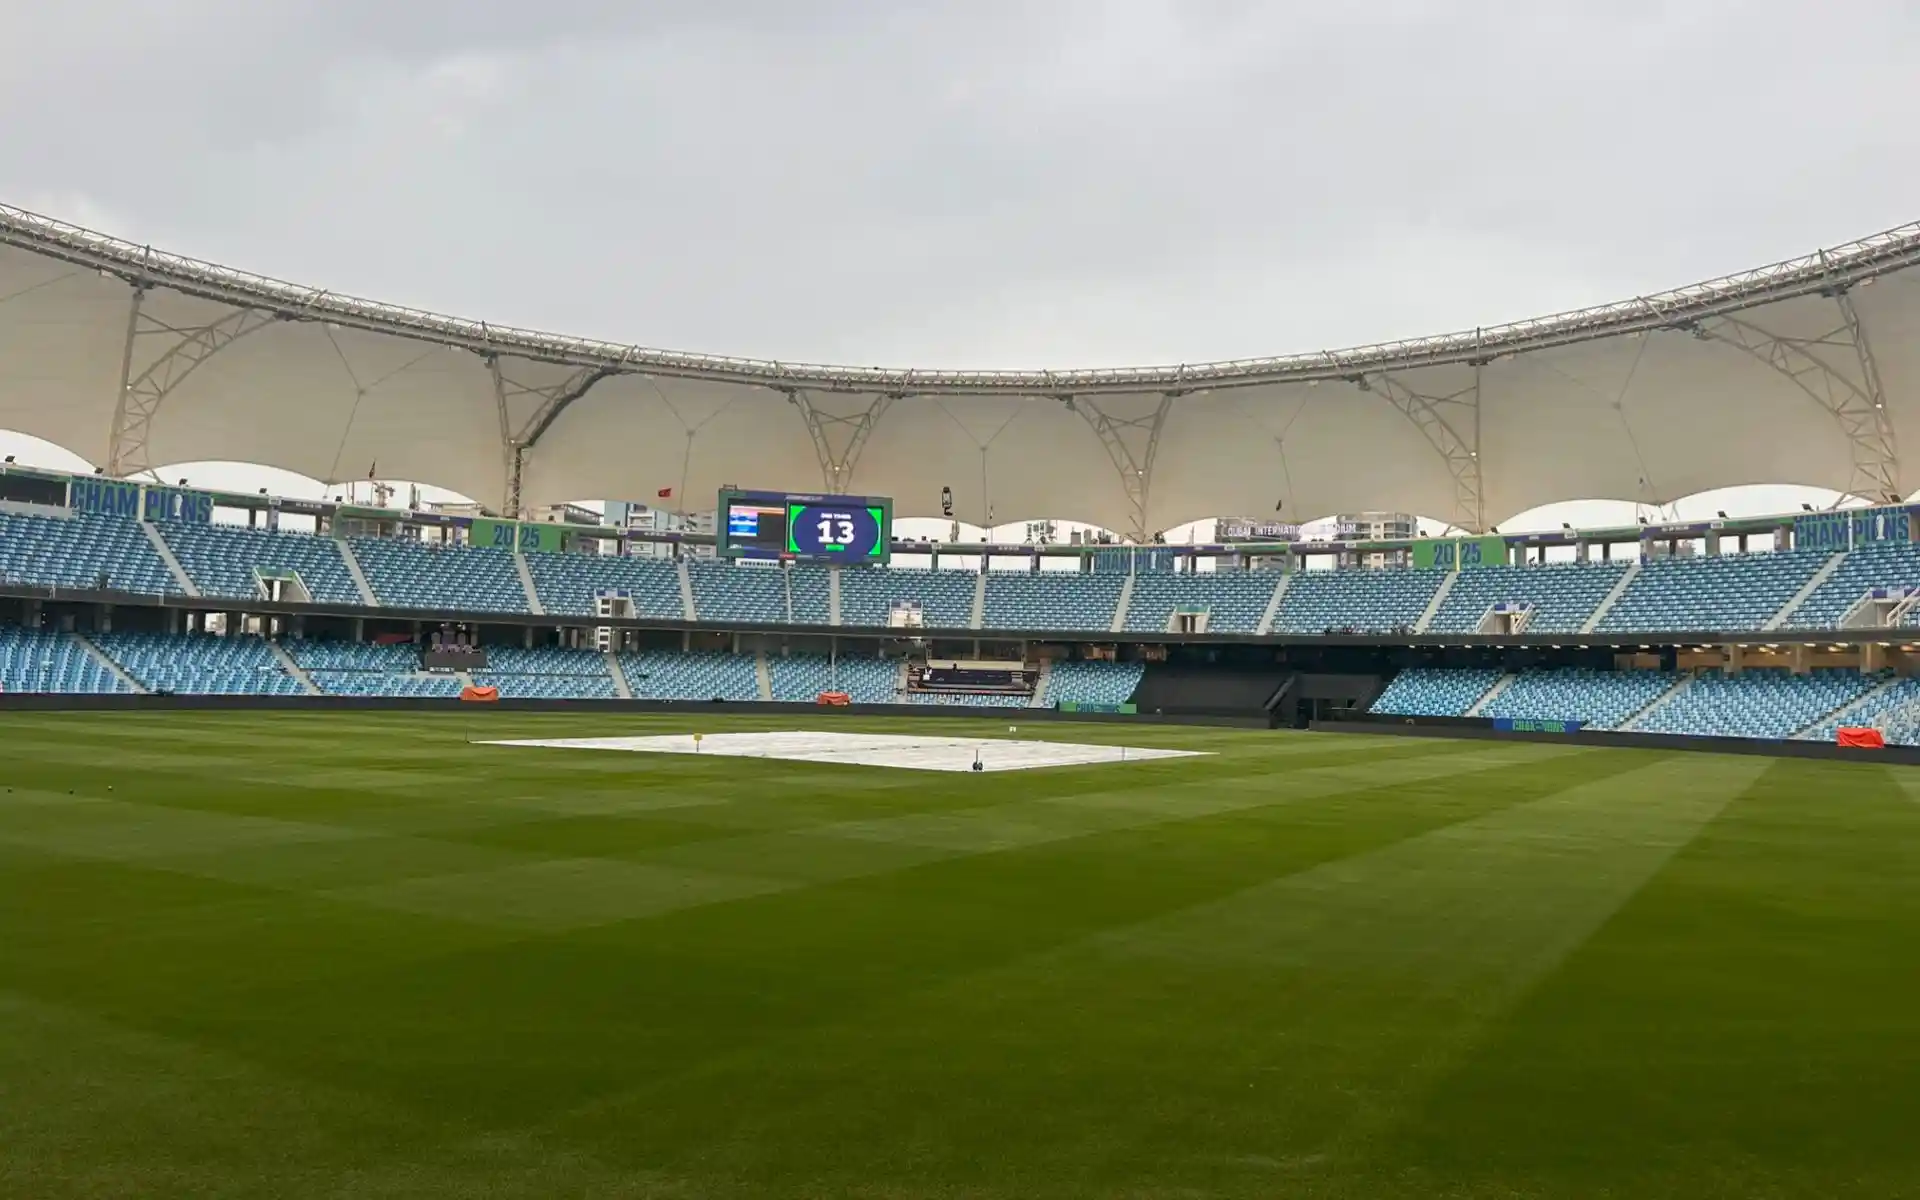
column 224, row 560
column 1368, row 601
column 441, row 578
column 1765, row 703
column 32, row 660
column 1234, row 600
column 867, row 594
column 1738, row 591
column 1050, row 600
column 200, row 665
column 665, row 675
column 1102, row 683
column 1563, row 595
column 1434, row 692
column 106, row 553
column 570, row 583
column 1600, row 699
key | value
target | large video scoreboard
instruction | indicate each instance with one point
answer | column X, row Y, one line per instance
column 831, row 529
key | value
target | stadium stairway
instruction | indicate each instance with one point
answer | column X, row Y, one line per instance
column 688, row 608
column 358, row 575
column 1440, row 595
column 294, row 669
column 1045, row 678
column 833, row 595
column 621, row 687
column 1654, row 705
column 979, row 615
column 526, row 583
column 1820, row 577
column 1612, row 598
column 1859, row 711
column 1491, row 694
column 1121, row 605
column 1279, row 596
column 763, row 675
column 165, row 552
column 127, row 681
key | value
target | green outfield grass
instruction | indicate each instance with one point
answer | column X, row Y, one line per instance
column 352, row 955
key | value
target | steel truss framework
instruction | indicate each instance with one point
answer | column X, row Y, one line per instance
column 182, row 351
column 1837, row 371
column 1132, row 444
column 552, row 400
column 1811, row 274
column 838, row 439
column 1451, row 424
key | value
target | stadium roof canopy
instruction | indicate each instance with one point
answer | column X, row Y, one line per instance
column 1799, row 373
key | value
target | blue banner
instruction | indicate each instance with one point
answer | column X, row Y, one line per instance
column 105, row 497
column 175, row 504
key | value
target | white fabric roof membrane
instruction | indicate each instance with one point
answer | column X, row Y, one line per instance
column 1804, row 372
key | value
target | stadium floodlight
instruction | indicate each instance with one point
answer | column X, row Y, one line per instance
column 9, row 458
column 1723, row 514
column 1805, row 507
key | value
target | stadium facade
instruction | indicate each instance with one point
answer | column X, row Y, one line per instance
column 1800, row 372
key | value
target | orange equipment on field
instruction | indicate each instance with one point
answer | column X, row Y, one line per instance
column 834, row 699
column 480, row 695
column 1860, row 737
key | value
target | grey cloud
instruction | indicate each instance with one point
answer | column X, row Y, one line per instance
column 972, row 184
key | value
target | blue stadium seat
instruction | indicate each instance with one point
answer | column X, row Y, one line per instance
column 1372, row 601
column 385, row 683
column 954, row 700
column 734, row 592
column 1601, row 699
column 221, row 560
column 76, row 552
column 667, row 675
column 547, row 673
column 567, row 583
column 1045, row 600
column 441, row 578
column 1563, row 595
column 812, row 597
column 33, row 660
column 802, row 677
column 1078, row 682
column 1434, row 692
column 358, row 669
column 867, row 594
column 1733, row 591
column 1764, row 703
column 200, row 664
column 1874, row 711
column 1235, row 600
column 1880, row 565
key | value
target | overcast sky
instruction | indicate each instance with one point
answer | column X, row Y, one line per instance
column 970, row 184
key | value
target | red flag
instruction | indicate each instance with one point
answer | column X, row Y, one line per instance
column 664, row 493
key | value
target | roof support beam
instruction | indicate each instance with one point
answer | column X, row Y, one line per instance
column 1132, row 443
column 551, row 401
column 838, row 439
column 181, row 351
column 1837, row 371
column 1451, row 424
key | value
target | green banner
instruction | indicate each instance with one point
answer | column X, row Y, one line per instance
column 543, row 539
column 1450, row 554
column 486, row 531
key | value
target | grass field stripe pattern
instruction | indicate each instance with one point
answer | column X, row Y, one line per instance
column 346, row 954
